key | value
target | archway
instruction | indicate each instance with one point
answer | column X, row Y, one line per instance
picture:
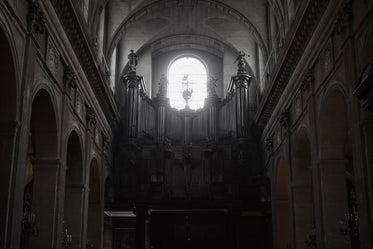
column 74, row 190
column 95, row 211
column 282, row 206
column 44, row 167
column 303, row 191
column 8, row 129
column 333, row 165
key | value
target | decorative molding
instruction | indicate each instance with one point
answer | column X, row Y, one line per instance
column 69, row 78
column 308, row 80
column 285, row 119
column 303, row 34
column 344, row 17
column 90, row 117
column 105, row 144
column 269, row 143
column 326, row 59
column 84, row 50
column 52, row 57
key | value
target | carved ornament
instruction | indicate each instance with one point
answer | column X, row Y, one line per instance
column 91, row 116
column 35, row 18
column 69, row 78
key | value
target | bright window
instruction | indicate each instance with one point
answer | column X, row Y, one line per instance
column 187, row 74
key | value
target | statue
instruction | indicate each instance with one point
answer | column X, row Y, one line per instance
column 211, row 87
column 241, row 63
column 132, row 61
column 162, row 87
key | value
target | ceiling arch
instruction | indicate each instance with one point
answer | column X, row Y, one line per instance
column 222, row 8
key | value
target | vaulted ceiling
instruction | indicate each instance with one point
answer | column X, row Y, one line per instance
column 253, row 26
column 236, row 23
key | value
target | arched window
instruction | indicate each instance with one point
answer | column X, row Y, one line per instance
column 187, row 77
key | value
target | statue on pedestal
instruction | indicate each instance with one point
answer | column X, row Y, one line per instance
column 241, row 63
column 162, row 87
column 132, row 61
column 211, row 87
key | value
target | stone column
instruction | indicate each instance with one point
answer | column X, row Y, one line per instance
column 303, row 213
column 8, row 131
column 94, row 231
column 133, row 88
column 44, row 201
column 334, row 202
column 74, row 198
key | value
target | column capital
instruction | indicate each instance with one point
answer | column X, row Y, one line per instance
column 239, row 81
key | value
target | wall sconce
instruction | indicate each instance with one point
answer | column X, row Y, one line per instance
column 66, row 238
column 30, row 227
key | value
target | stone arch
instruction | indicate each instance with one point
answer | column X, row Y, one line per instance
column 281, row 206
column 43, row 84
column 74, row 189
column 304, row 214
column 42, row 195
column 43, row 125
column 74, row 129
column 95, row 207
column 8, row 129
column 74, row 160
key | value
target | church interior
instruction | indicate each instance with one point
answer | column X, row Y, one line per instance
column 189, row 124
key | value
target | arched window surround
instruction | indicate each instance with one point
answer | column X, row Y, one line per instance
column 179, row 103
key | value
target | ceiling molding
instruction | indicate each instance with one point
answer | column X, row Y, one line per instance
column 287, row 65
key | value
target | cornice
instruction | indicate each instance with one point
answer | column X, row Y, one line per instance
column 82, row 47
column 293, row 53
